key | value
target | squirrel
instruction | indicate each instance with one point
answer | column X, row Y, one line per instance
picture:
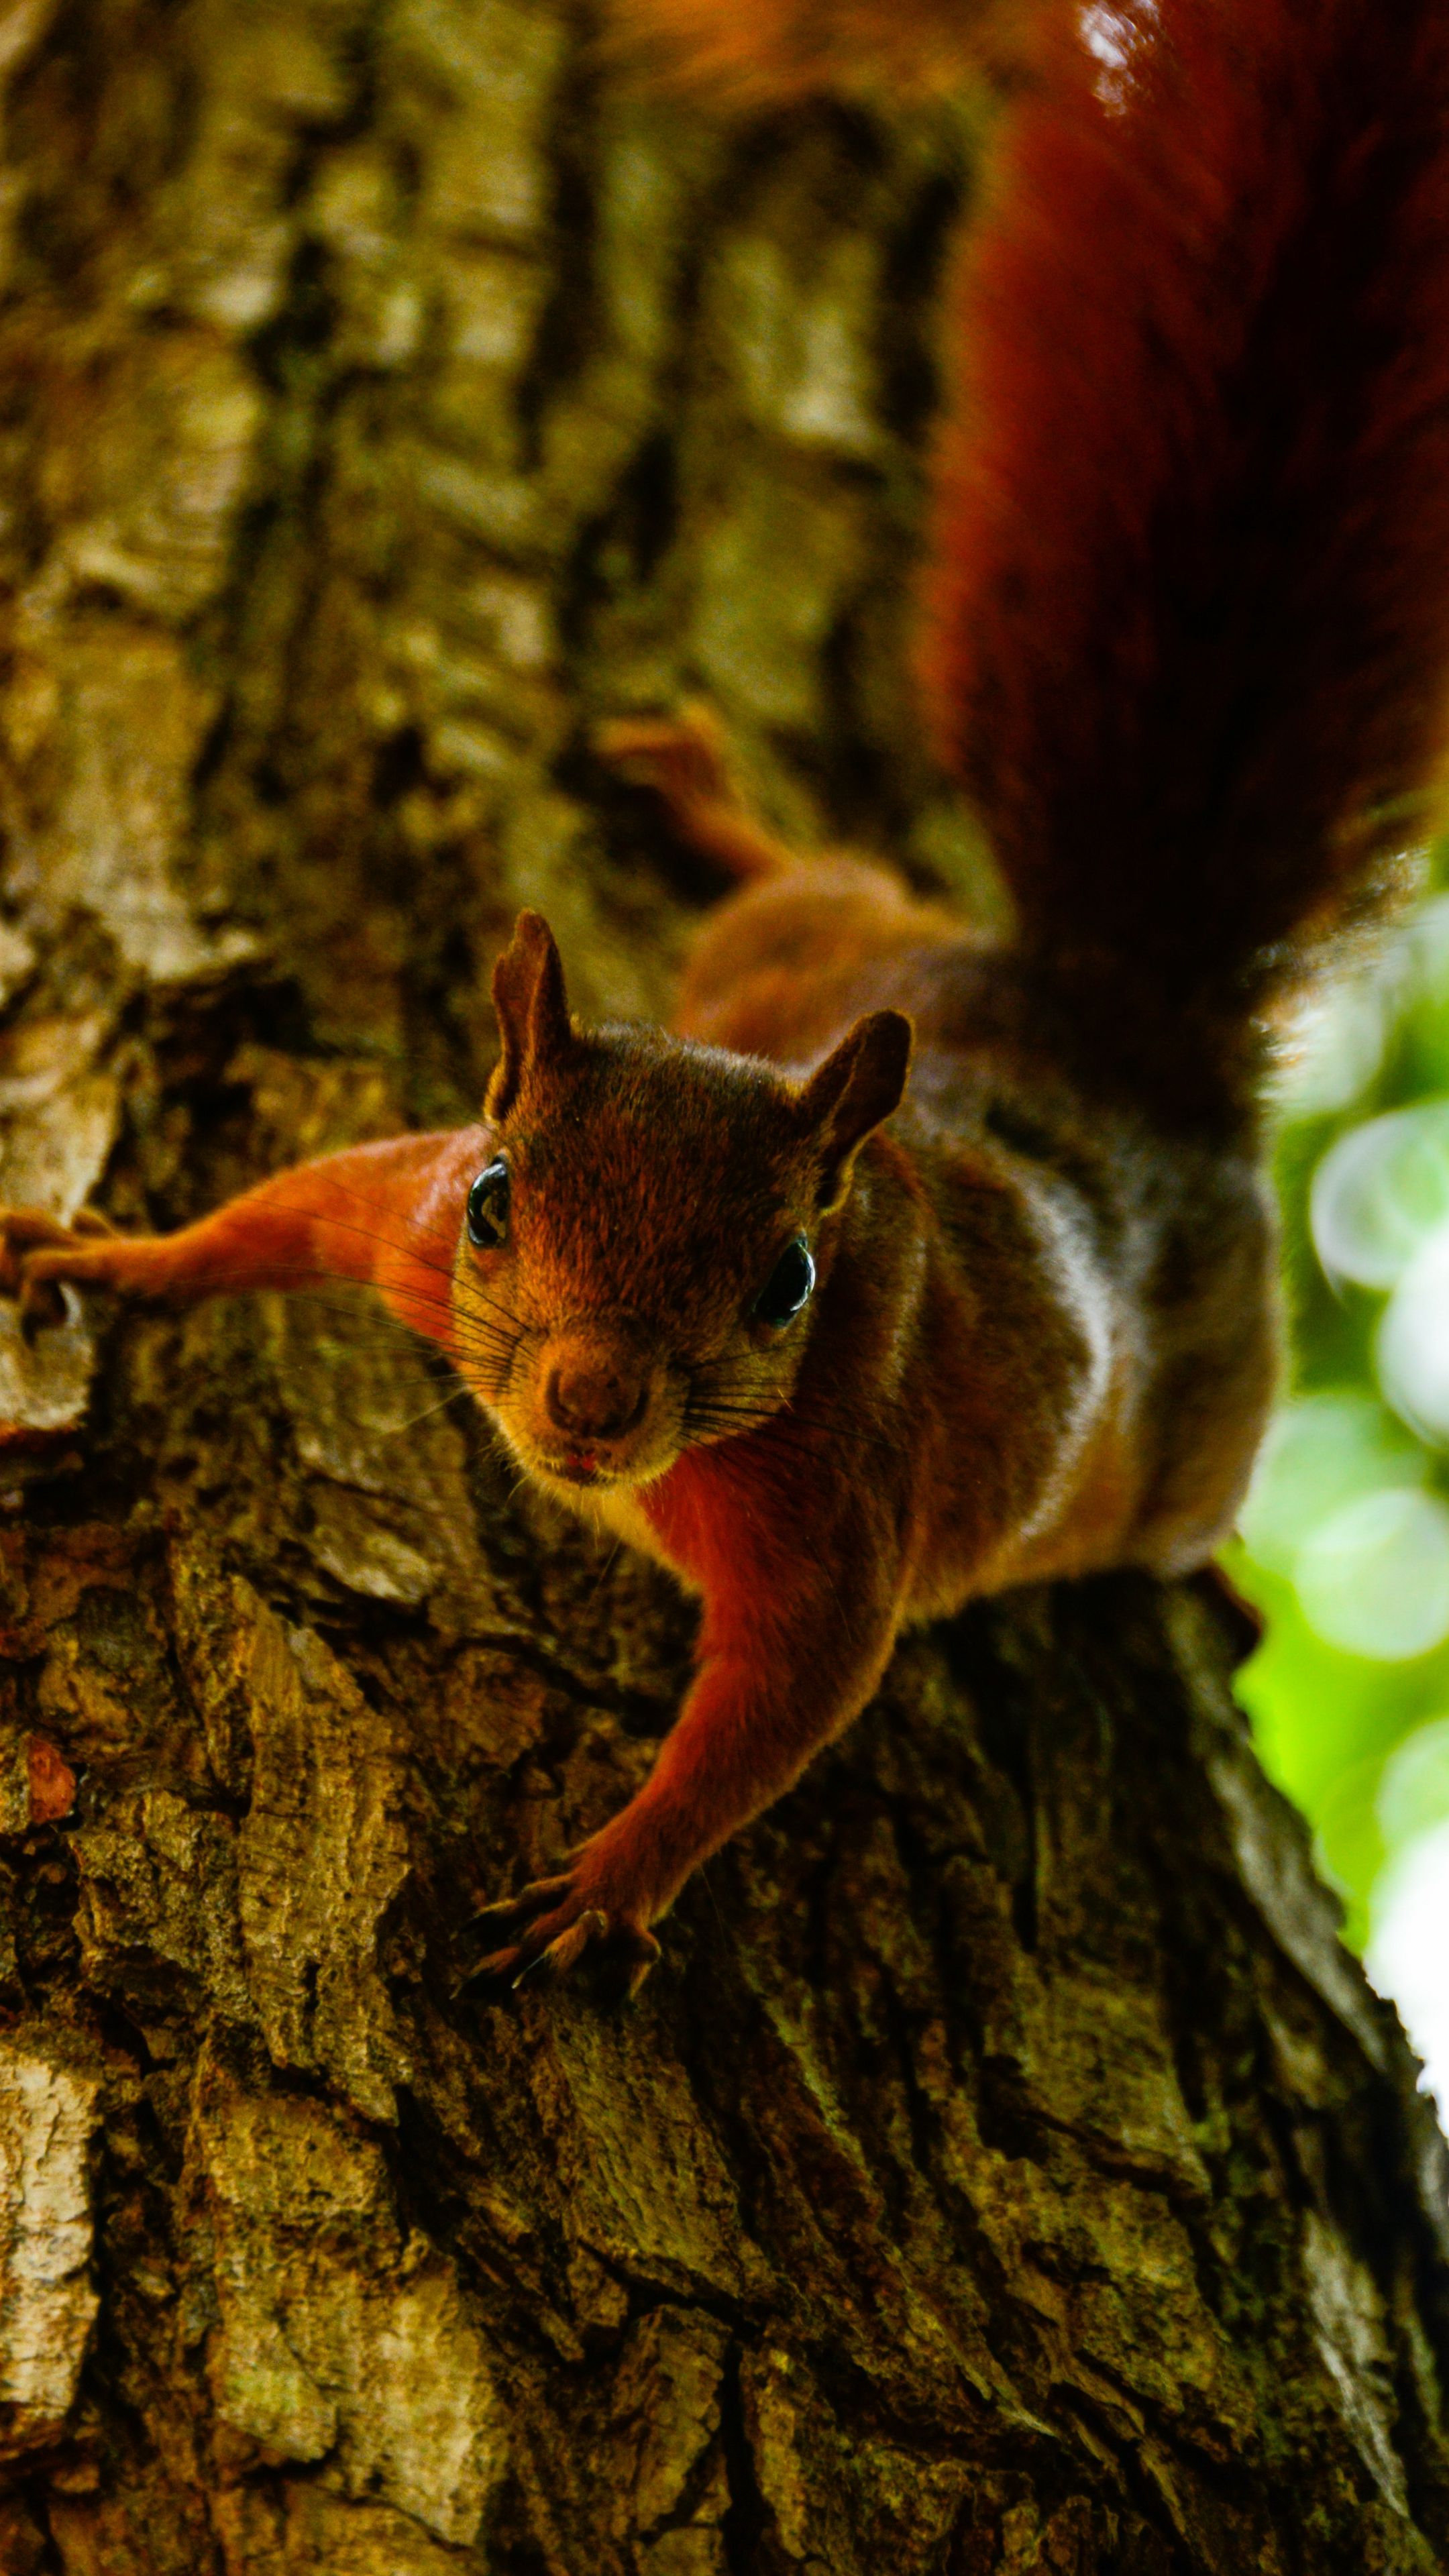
column 914, row 1263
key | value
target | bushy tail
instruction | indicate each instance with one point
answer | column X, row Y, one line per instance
column 1190, row 642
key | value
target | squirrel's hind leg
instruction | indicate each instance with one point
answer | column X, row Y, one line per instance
column 683, row 759
column 775, row 970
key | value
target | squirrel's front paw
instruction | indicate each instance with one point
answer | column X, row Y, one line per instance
column 33, row 1249
column 556, row 1920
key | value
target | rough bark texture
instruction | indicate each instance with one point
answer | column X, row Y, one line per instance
column 1005, row 2171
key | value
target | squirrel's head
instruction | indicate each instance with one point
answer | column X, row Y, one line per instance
column 637, row 1269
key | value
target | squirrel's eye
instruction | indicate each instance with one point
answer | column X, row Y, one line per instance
column 488, row 1207
column 789, row 1284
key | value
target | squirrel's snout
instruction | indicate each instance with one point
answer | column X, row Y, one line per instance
column 594, row 1398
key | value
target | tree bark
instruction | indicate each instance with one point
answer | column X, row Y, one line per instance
column 1006, row 2170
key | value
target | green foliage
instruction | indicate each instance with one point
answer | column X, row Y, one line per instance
column 1345, row 1533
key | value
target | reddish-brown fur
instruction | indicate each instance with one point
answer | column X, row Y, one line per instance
column 1190, row 623
column 1191, row 643
column 385, row 1216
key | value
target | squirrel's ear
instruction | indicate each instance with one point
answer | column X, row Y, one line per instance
column 857, row 1086
column 533, row 1011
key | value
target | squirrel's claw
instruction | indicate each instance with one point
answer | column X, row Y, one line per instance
column 517, row 1909
column 32, row 1249
column 554, row 1936
column 557, row 1956
column 644, row 1950
column 40, row 1302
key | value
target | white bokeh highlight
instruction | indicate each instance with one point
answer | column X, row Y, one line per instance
column 1381, row 1195
column 1408, row 1950
column 1321, row 1452
column 1348, row 1501
column 1373, row 1578
column 1412, row 1353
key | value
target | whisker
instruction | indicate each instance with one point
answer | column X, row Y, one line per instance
column 367, row 1427
column 605, row 1570
column 405, row 1245
column 812, row 1402
column 359, row 1331
column 804, row 1393
column 788, row 1424
column 407, row 1248
column 392, row 1430
column 469, row 1331
column 324, row 1215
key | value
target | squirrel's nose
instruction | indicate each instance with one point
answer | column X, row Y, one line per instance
column 594, row 1399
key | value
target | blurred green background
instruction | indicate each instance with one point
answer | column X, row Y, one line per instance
column 1345, row 1533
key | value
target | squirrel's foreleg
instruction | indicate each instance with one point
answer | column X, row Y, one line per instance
column 787, row 1659
column 386, row 1216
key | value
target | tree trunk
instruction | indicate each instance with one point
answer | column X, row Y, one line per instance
column 1005, row 2170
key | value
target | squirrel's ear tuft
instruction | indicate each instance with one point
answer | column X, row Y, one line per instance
column 848, row 1095
column 533, row 1012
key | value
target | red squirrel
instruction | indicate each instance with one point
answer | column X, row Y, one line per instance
column 913, row 1264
